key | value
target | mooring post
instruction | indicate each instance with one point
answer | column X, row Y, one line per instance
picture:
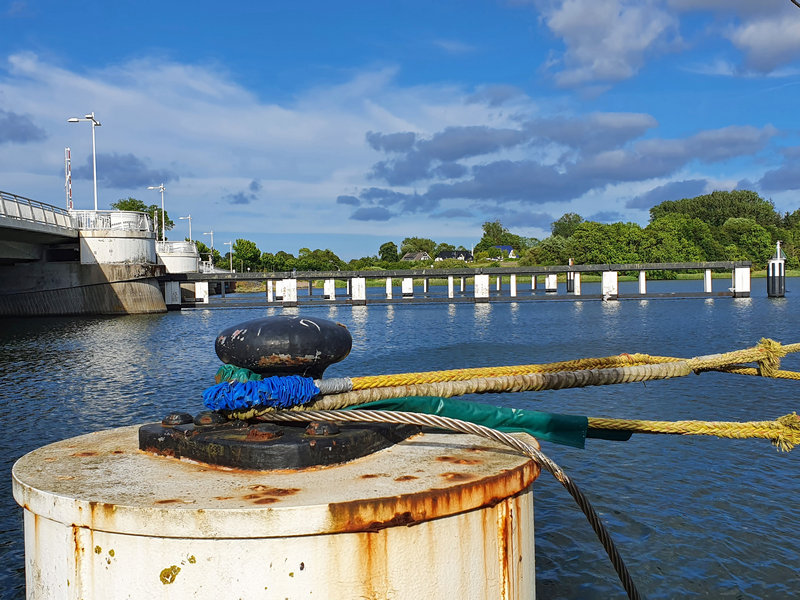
column 499, row 285
column 512, row 285
column 551, row 283
column 388, row 288
column 741, row 282
column 533, row 283
column 642, row 282
column 707, row 281
column 481, row 292
column 450, row 286
column 329, row 289
column 270, row 292
column 425, row 285
column 408, row 287
column 610, row 285
column 290, row 292
column 577, row 283
column 359, row 290
column 463, row 284
column 776, row 274
column 201, row 292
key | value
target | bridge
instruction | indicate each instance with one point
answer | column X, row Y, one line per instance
column 57, row 262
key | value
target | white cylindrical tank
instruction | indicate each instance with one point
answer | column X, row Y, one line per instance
column 435, row 516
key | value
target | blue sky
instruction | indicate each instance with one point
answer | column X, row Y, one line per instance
column 345, row 125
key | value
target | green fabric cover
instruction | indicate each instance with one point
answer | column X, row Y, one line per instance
column 569, row 430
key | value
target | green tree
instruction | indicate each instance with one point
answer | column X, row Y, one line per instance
column 550, row 251
column 417, row 244
column 443, row 247
column 246, row 255
column 318, row 260
column 717, row 207
column 206, row 253
column 494, row 234
column 753, row 240
column 153, row 210
column 388, row 252
column 566, row 225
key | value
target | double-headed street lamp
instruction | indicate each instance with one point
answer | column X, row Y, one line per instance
column 161, row 188
column 190, row 225
column 95, row 123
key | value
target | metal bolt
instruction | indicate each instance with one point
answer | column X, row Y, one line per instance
column 319, row 428
column 209, row 417
column 176, row 418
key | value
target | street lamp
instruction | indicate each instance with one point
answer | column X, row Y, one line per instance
column 95, row 123
column 211, row 256
column 230, row 254
column 161, row 188
column 190, row 225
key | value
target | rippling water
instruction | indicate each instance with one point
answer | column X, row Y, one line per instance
column 693, row 516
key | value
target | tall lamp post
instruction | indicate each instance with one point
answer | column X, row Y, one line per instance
column 190, row 225
column 95, row 123
column 211, row 258
column 230, row 254
column 161, row 188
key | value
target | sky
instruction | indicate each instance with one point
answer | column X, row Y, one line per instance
column 344, row 125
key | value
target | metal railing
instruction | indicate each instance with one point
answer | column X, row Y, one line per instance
column 25, row 209
column 177, row 248
column 118, row 220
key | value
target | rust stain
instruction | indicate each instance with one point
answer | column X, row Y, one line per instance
column 463, row 492
column 505, row 523
column 255, row 435
column 223, row 497
column 458, row 476
column 169, row 574
column 86, row 453
column 170, row 501
column 272, row 491
column 406, row 478
column 459, row 461
column 373, row 475
column 266, row 500
column 118, row 452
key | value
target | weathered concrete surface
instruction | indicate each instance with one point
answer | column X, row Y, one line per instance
column 70, row 288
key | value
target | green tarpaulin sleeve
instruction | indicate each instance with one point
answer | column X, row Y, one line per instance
column 569, row 430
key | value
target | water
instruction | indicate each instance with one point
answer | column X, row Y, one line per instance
column 692, row 516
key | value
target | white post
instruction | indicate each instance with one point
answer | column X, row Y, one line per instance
column 329, row 289
column 499, row 283
column 270, row 290
column 425, row 285
column 642, row 282
column 388, row 288
column 707, row 281
column 201, row 292
column 741, row 282
column 279, row 289
column 577, row 280
column 533, row 283
column 359, row 290
column 481, row 287
column 512, row 286
column 610, row 288
column 289, row 292
column 463, row 284
column 450, row 286
column 408, row 287
column 551, row 282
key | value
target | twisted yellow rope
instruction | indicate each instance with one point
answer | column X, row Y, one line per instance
column 783, row 432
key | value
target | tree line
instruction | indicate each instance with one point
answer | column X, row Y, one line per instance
column 736, row 225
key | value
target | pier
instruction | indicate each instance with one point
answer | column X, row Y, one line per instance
column 487, row 284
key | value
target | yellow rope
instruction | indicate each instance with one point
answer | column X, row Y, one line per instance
column 783, row 432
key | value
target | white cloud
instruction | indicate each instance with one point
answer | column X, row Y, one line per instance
column 769, row 43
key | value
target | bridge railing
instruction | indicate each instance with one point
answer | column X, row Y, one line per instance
column 25, row 209
column 176, row 247
column 124, row 220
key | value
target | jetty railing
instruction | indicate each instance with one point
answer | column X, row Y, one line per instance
column 121, row 220
column 468, row 285
column 33, row 211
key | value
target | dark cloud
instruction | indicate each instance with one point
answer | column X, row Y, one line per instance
column 529, row 219
column 674, row 190
column 592, row 133
column 19, row 129
column 606, row 216
column 123, row 171
column 245, row 196
column 350, row 200
column 785, row 177
column 450, row 170
column 371, row 213
column 392, row 142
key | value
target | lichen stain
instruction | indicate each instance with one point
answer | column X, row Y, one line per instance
column 192, row 559
column 97, row 549
column 169, row 574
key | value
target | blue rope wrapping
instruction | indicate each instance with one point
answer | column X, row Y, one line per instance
column 279, row 392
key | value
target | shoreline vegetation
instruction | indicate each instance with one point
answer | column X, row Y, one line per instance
column 247, row 287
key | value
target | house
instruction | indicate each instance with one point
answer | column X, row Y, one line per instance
column 508, row 250
column 416, row 256
column 464, row 255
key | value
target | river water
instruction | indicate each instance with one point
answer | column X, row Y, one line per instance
column 692, row 516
